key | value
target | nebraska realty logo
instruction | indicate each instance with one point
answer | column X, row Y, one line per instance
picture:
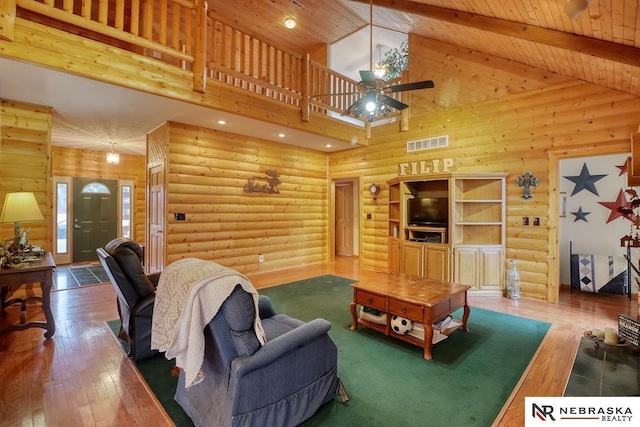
column 581, row 411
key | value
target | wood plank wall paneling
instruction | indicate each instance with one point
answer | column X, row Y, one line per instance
column 25, row 162
column 92, row 164
column 518, row 133
column 207, row 171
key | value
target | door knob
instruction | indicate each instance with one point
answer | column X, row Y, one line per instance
column 76, row 226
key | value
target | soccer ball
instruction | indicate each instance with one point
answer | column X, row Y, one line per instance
column 400, row 325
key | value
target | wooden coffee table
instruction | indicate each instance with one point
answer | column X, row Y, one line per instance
column 421, row 300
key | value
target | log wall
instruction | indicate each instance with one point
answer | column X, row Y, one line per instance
column 523, row 132
column 25, row 163
column 207, row 173
column 92, row 164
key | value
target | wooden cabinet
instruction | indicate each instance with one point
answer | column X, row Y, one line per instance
column 411, row 258
column 479, row 267
column 436, row 262
column 469, row 249
column 425, row 260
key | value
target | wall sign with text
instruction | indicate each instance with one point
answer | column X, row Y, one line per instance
column 629, row 328
column 425, row 167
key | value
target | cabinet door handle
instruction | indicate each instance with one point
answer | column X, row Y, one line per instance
column 404, row 310
column 370, row 300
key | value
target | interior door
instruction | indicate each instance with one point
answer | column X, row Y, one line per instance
column 95, row 216
column 156, row 214
column 344, row 219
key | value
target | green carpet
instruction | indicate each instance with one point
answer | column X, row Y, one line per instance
column 388, row 381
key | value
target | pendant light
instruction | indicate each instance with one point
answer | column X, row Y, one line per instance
column 113, row 158
column 575, row 8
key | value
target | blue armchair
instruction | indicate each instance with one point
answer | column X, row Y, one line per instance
column 281, row 383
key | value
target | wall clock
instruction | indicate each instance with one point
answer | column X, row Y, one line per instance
column 374, row 189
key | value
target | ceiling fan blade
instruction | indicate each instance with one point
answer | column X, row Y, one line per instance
column 426, row 84
column 355, row 107
column 367, row 76
column 390, row 102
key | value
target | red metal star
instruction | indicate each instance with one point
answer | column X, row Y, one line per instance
column 623, row 168
column 621, row 201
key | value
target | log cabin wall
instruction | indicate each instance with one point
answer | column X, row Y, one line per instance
column 527, row 127
column 207, row 174
column 25, row 163
column 92, row 164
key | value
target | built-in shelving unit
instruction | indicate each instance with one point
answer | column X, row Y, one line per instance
column 469, row 247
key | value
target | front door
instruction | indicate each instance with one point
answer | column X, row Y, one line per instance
column 95, row 216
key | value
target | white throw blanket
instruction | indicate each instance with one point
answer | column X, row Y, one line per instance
column 190, row 293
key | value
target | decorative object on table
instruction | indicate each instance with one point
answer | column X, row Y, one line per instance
column 629, row 329
column 272, row 181
column 527, row 180
column 513, row 282
column 607, row 337
column 18, row 207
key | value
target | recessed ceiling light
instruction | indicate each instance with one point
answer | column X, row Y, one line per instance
column 290, row 23
column 281, row 135
column 328, row 145
column 222, row 122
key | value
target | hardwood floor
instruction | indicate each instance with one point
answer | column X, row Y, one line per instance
column 82, row 377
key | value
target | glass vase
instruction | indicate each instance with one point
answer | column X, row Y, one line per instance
column 513, row 282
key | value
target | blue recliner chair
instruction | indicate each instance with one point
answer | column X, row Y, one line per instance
column 281, row 383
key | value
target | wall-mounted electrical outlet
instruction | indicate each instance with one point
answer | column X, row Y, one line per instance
column 260, row 258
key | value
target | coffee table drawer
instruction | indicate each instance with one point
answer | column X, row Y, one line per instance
column 371, row 300
column 404, row 309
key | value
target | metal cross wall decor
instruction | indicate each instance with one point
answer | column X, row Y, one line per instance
column 527, row 180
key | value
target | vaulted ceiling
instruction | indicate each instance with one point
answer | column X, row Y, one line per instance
column 601, row 46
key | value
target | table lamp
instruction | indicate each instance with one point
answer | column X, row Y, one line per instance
column 20, row 207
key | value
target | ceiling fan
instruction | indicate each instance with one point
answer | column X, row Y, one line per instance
column 374, row 102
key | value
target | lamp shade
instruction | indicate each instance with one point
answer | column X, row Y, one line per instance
column 20, row 207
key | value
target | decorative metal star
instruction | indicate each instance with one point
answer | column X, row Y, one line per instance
column 623, row 168
column 580, row 215
column 620, row 202
column 585, row 181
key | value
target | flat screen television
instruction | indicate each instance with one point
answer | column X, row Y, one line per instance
column 428, row 211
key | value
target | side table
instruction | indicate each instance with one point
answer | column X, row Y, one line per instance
column 39, row 271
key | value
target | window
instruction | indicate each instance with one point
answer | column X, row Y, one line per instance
column 96, row 187
column 62, row 224
column 125, row 212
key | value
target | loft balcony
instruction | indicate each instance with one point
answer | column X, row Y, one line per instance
column 197, row 57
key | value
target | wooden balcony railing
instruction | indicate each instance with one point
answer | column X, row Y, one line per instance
column 181, row 33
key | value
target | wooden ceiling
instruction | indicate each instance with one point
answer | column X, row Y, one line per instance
column 602, row 46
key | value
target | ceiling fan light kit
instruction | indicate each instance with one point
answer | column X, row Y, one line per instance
column 575, row 8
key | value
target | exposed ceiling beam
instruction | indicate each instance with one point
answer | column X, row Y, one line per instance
column 588, row 46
